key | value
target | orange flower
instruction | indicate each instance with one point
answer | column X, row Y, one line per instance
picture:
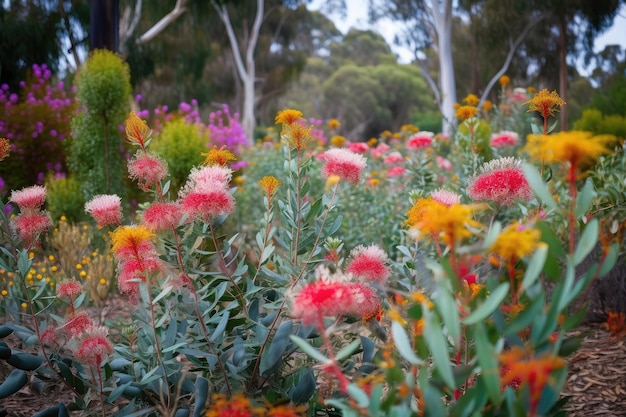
column 616, row 323
column 288, row 116
column 487, row 105
column 297, row 135
column 219, row 156
column 545, row 103
column 269, row 184
column 504, row 81
column 333, row 124
column 5, row 147
column 575, row 147
column 520, row 367
column 238, row 405
column 137, row 130
column 466, row 112
column 471, row 100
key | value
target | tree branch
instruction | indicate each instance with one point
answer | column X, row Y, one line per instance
column 162, row 24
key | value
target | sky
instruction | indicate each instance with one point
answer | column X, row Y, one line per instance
column 357, row 18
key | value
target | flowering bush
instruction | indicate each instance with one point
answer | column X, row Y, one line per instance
column 458, row 320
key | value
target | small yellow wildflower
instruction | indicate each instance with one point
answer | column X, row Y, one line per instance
column 219, row 157
column 79, row 266
column 337, row 141
column 51, row 258
column 372, row 142
column 24, row 305
column 419, row 297
column 54, row 268
column 409, row 128
column 137, row 130
column 288, row 116
column 102, row 281
column 546, row 103
column 297, row 135
column 31, row 255
column 487, row 105
column 466, row 112
column 516, row 242
column 471, row 100
column 269, row 184
column 63, row 219
column 83, row 274
column 573, row 146
column 5, row 293
column 333, row 124
column 504, row 81
column 331, row 181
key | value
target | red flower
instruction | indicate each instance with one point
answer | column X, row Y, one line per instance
column 394, row 158
column 321, row 299
column 105, row 209
column 209, row 175
column 396, row 171
column 147, row 169
column 208, row 202
column 133, row 271
column 162, row 216
column 503, row 139
column 30, row 225
column 69, row 289
column 30, row 198
column 76, row 323
column 501, row 181
column 369, row 263
column 358, row 147
column 420, row 140
column 94, row 347
column 345, row 164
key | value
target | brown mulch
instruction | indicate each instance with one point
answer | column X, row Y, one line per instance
column 597, row 375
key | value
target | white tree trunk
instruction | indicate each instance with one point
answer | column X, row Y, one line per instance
column 246, row 70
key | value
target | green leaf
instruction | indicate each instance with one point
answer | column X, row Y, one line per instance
column 587, row 241
column 403, row 344
column 609, row 260
column 267, row 252
column 305, row 389
column 436, row 341
column 13, row 383
column 308, row 349
column 220, row 327
column 584, row 199
column 485, row 309
column 348, row 350
column 492, row 235
column 538, row 186
column 164, row 292
column 277, row 348
column 201, row 393
column 488, row 362
column 535, row 266
column 358, row 395
column 23, row 263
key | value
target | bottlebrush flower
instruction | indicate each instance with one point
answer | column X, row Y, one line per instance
column 345, row 164
column 208, row 175
column 133, row 271
column 501, row 181
column 503, row 139
column 137, row 131
column 471, row 100
column 269, row 184
column 162, row 216
column 207, row 201
column 370, row 263
column 76, row 323
column 147, row 169
column 445, row 197
column 29, row 198
column 466, row 112
column 132, row 242
column 359, row 147
column 516, row 242
column 443, row 163
column 30, row 225
column 288, row 116
column 105, row 209
column 49, row 337
column 545, row 103
column 94, row 346
column 573, row 146
column 364, row 302
column 394, row 157
column 420, row 140
column 396, row 171
column 69, row 288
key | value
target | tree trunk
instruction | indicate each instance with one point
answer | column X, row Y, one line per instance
column 563, row 70
column 447, row 84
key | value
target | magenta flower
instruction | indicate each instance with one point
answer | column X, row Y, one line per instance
column 105, row 209
column 207, row 201
column 501, row 181
column 147, row 169
column 29, row 198
column 369, row 263
column 30, row 225
column 396, row 171
column 394, row 157
column 345, row 164
column 445, row 197
column 358, row 147
column 503, row 139
column 162, row 216
column 420, row 140
column 443, row 163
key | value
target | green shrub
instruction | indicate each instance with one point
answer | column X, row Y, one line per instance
column 65, row 199
column 594, row 121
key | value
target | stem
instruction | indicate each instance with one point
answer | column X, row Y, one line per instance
column 106, row 152
column 298, row 214
column 572, row 212
column 101, row 389
column 239, row 296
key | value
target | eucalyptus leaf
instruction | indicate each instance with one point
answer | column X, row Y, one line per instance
column 486, row 308
column 219, row 330
column 403, row 344
column 308, row 349
column 584, row 199
column 535, row 266
column 436, row 341
column 348, row 350
column 538, row 186
column 587, row 241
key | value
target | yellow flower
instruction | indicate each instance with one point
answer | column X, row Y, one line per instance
column 466, row 112
column 288, row 116
column 5, row 148
column 129, row 237
column 545, row 103
column 218, row 156
column 237, row 405
column 471, row 100
column 5, row 292
column 269, row 184
column 419, row 297
column 102, row 281
column 337, row 141
column 487, row 105
column 372, row 142
column 297, row 135
column 24, row 305
column 137, row 130
column 331, row 181
column 574, row 146
column 333, row 124
column 504, row 81
column 409, row 128
column 516, row 242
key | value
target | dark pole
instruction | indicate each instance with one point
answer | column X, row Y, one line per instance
column 104, row 24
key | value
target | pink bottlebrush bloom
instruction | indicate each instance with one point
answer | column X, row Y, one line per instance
column 208, row 175
column 359, row 147
column 364, row 302
column 133, row 271
column 344, row 164
column 105, row 209
column 380, row 150
column 445, row 197
column 49, row 337
column 396, row 171
column 443, row 163
column 30, row 198
column 394, row 157
column 77, row 323
column 369, row 263
column 30, row 225
column 133, row 242
column 94, row 346
column 501, row 181
column 420, row 140
column 207, row 201
column 147, row 169
column 162, row 216
column 69, row 288
column 503, row 139
column 320, row 299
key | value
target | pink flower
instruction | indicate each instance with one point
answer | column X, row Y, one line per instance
column 162, row 216
column 394, row 157
column 369, row 263
column 105, row 209
column 380, row 150
column 207, row 201
column 359, row 147
column 30, row 198
column 443, row 163
column 49, row 337
column 30, row 225
column 69, row 288
column 76, row 323
column 501, row 181
column 94, row 347
column 133, row 271
column 503, row 139
column 147, row 169
column 396, row 171
column 420, row 140
column 320, row 299
column 364, row 301
column 208, row 175
column 445, row 197
column 344, row 164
